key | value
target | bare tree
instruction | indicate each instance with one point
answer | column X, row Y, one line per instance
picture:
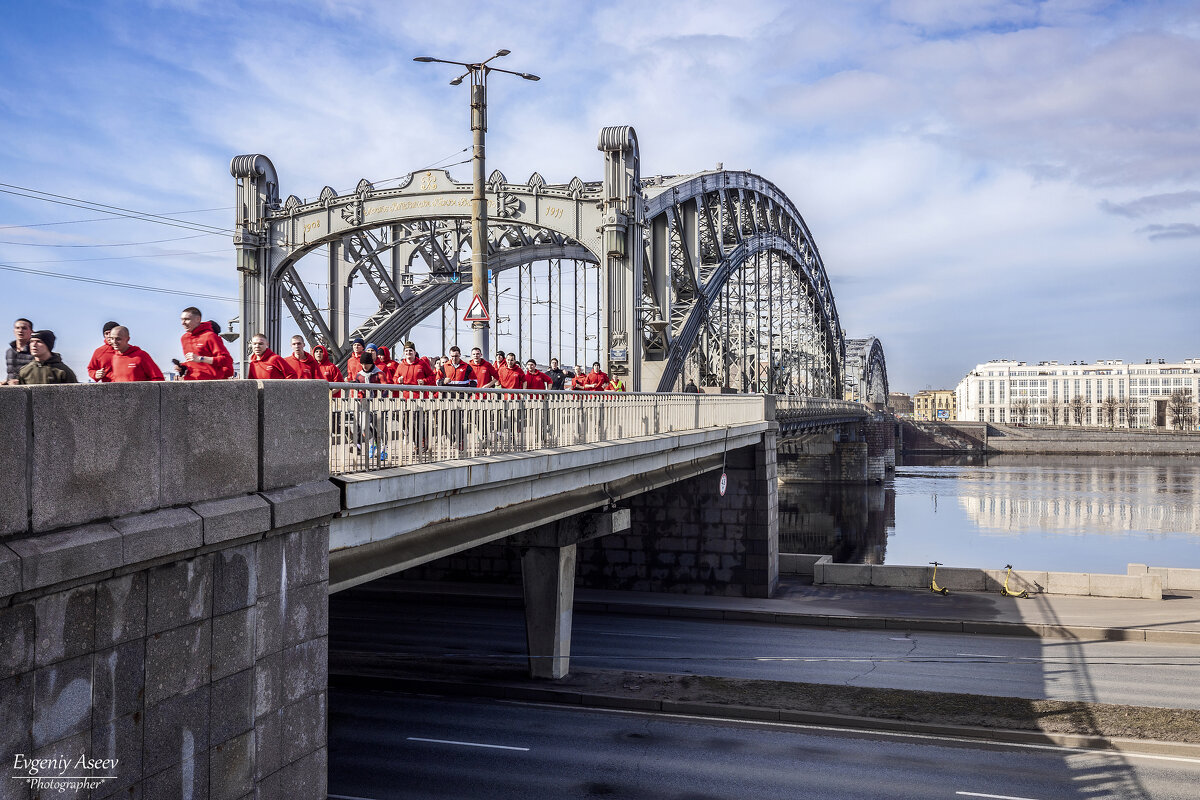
column 1021, row 410
column 1054, row 407
column 1109, row 408
column 1182, row 412
column 1131, row 411
column 1078, row 404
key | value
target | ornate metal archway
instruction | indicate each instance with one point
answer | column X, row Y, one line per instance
column 713, row 276
column 866, row 371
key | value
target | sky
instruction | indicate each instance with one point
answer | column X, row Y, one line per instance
column 983, row 179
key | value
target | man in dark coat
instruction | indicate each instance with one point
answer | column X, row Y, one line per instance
column 47, row 366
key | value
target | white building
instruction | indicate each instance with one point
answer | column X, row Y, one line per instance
column 1103, row 394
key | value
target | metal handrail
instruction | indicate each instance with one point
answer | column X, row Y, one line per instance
column 377, row 426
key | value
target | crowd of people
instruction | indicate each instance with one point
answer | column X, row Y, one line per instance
column 31, row 360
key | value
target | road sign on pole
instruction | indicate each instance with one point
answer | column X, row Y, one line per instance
column 476, row 312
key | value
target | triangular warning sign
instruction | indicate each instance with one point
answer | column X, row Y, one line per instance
column 477, row 311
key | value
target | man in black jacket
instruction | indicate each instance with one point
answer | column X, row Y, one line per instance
column 558, row 377
column 18, row 354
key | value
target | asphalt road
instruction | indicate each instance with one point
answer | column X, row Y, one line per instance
column 1096, row 671
column 388, row 746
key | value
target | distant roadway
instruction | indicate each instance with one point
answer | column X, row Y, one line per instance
column 1095, row 671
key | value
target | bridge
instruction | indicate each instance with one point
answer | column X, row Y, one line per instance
column 167, row 550
column 712, row 276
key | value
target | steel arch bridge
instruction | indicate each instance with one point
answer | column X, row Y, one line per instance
column 712, row 277
column 866, row 371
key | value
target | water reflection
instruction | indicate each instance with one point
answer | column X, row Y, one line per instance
column 1012, row 494
column 849, row 522
column 1079, row 514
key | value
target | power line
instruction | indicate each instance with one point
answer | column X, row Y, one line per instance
column 122, row 258
column 115, row 244
column 117, row 284
column 116, row 211
column 108, row 219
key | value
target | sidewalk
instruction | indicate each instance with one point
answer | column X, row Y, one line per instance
column 1175, row 619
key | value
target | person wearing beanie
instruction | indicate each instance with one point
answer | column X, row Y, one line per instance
column 99, row 368
column 47, row 366
column 354, row 363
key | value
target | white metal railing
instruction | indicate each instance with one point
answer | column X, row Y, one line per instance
column 815, row 407
column 376, row 426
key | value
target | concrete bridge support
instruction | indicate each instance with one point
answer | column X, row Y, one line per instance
column 548, row 578
column 163, row 585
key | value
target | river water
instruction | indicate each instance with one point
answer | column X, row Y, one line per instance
column 1069, row 514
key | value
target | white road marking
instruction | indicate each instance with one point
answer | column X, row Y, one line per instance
column 631, row 635
column 347, row 797
column 1056, row 748
column 468, row 744
column 900, row 638
column 994, row 796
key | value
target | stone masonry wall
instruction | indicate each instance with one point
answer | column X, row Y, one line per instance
column 682, row 538
column 187, row 637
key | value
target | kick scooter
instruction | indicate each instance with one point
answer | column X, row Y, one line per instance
column 1004, row 590
column 933, row 587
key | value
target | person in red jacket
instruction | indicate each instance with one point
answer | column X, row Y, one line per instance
column 412, row 370
column 485, row 372
column 594, row 381
column 204, row 354
column 389, row 365
column 130, row 362
column 511, row 374
column 99, row 368
column 304, row 365
column 354, row 363
column 265, row 365
column 326, row 370
column 535, row 378
column 456, row 372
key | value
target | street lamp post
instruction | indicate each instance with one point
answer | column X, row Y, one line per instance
column 479, row 256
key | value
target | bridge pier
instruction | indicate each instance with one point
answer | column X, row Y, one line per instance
column 548, row 579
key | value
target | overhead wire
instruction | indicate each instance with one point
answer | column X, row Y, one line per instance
column 116, row 211
column 114, row 244
column 118, row 284
column 108, row 219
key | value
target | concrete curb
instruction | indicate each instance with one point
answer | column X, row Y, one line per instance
column 339, row 679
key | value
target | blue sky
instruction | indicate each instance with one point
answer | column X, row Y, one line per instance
column 983, row 179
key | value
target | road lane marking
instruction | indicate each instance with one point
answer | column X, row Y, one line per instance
column 631, row 635
column 347, row 797
column 994, row 796
column 468, row 744
column 988, row 743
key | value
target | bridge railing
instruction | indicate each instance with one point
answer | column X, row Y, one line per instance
column 802, row 408
column 375, row 426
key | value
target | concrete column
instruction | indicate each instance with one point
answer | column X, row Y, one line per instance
column 548, row 575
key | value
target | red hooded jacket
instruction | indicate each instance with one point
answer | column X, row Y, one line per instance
column 102, row 359
column 536, row 379
column 269, row 366
column 135, row 364
column 592, row 382
column 415, row 374
column 203, row 341
column 306, row 369
column 327, row 370
column 511, row 377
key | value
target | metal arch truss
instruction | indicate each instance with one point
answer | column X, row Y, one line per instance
column 735, row 273
column 732, row 288
column 866, row 371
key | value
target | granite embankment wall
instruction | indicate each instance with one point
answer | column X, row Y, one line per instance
column 925, row 437
column 683, row 538
column 163, row 585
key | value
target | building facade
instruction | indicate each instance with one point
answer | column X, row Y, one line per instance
column 1109, row 393
column 935, row 404
column 901, row 404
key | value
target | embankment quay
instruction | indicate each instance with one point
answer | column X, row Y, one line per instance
column 986, row 437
